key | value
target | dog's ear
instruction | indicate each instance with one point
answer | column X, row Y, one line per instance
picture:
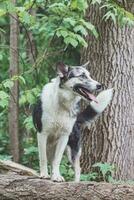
column 62, row 69
column 85, row 65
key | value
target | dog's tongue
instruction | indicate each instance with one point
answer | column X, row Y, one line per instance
column 92, row 97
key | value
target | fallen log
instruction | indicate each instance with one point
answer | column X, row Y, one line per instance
column 14, row 186
column 8, row 166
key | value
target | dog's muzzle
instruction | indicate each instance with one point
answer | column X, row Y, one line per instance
column 84, row 91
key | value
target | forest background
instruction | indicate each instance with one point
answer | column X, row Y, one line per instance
column 34, row 36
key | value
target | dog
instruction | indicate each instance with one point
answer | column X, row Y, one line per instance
column 56, row 113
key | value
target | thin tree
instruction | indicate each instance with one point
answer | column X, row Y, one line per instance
column 31, row 45
column 111, row 138
column 14, row 94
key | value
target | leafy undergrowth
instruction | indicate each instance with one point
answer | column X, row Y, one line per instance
column 100, row 172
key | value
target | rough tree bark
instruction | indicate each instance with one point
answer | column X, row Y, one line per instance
column 14, row 94
column 16, row 187
column 111, row 138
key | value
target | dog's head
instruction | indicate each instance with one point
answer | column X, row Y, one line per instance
column 79, row 80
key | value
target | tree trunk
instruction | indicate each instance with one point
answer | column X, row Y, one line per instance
column 20, row 182
column 14, row 94
column 111, row 138
column 31, row 46
column 16, row 187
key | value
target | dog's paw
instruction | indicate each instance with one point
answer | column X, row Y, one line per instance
column 57, row 178
column 44, row 176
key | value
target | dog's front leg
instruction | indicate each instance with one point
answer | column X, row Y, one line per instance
column 60, row 148
column 42, row 142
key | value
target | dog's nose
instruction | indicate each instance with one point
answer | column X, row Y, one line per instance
column 99, row 86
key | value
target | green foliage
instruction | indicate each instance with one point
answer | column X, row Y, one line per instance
column 66, row 169
column 5, row 87
column 103, row 172
column 29, row 96
column 4, row 99
column 89, row 177
column 118, row 14
column 2, row 12
column 100, row 172
column 4, row 140
column 115, row 12
column 28, row 122
column 30, row 156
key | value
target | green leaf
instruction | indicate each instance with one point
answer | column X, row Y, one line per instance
column 28, row 122
column 70, row 20
column 117, row 14
column 10, row 7
column 81, row 29
column 20, row 9
column 30, row 97
column 2, row 12
column 110, row 15
column 30, row 150
column 80, row 5
column 22, row 99
column 3, row 31
column 36, row 91
column 3, row 103
column 25, row 17
column 57, row 8
column 74, row 4
column 4, row 99
column 62, row 33
column 90, row 27
column 20, row 78
column 8, row 83
column 28, row 4
column 113, row 18
column 72, row 41
column 81, row 40
column 3, row 95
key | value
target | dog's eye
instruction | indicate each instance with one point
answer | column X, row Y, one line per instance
column 83, row 75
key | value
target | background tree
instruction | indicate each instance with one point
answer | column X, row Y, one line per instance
column 14, row 92
column 111, row 59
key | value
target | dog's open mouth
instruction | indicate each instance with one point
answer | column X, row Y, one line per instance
column 84, row 91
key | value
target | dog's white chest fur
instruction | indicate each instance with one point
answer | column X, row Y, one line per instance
column 58, row 109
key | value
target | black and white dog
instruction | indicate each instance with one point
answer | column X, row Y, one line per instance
column 58, row 121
